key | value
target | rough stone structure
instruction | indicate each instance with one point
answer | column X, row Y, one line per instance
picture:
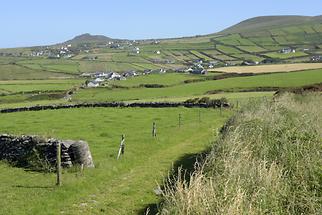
column 40, row 153
column 119, row 104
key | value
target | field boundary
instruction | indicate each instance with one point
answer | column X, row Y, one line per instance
column 218, row 104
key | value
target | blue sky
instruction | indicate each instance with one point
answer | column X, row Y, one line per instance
column 41, row 22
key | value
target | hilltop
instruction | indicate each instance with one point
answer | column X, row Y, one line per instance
column 88, row 38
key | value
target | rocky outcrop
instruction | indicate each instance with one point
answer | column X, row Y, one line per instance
column 40, row 153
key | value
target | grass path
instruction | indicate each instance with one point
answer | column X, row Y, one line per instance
column 115, row 195
column 113, row 187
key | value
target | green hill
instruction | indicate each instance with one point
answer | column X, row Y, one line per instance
column 255, row 40
column 270, row 22
column 88, row 38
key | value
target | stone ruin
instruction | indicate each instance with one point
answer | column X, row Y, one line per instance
column 40, row 153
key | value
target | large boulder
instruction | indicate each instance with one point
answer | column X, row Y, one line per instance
column 80, row 153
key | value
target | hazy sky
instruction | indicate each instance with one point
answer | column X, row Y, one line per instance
column 41, row 22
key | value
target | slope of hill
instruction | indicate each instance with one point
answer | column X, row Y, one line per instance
column 270, row 22
column 257, row 40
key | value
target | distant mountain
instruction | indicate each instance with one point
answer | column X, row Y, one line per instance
column 88, row 38
column 270, row 22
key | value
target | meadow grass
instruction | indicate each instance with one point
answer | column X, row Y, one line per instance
column 267, row 161
column 39, row 85
column 195, row 89
column 16, row 72
column 285, row 56
column 113, row 187
column 163, row 79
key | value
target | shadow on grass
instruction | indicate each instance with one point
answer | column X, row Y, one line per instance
column 187, row 164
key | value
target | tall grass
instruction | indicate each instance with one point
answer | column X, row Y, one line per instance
column 267, row 161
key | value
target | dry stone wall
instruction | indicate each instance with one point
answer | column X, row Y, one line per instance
column 40, row 153
column 119, row 104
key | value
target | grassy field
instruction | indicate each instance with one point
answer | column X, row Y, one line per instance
column 162, row 79
column 270, row 68
column 267, row 161
column 117, row 187
column 127, row 186
column 16, row 72
column 39, row 85
column 200, row 88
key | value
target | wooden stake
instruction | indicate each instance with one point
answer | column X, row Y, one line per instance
column 179, row 120
column 199, row 116
column 58, row 159
column 122, row 147
column 154, row 130
column 220, row 109
column 82, row 169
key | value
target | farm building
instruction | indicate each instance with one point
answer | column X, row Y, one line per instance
column 316, row 58
column 287, row 50
column 92, row 84
column 114, row 76
column 99, row 80
column 130, row 74
column 249, row 63
column 197, row 70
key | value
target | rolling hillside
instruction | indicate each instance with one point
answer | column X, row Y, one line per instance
column 270, row 22
column 257, row 40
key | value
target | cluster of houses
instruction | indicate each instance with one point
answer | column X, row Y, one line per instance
column 64, row 51
column 287, row 50
column 97, row 78
column 317, row 58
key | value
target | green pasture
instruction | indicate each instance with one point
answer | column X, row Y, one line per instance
column 122, row 186
column 195, row 89
column 285, row 56
column 166, row 79
column 17, row 72
column 228, row 49
column 253, row 49
column 39, row 85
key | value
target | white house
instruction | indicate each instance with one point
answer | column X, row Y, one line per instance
column 93, row 84
column 114, row 76
column 99, row 80
column 287, row 50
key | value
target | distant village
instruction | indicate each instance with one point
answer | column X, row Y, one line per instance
column 96, row 79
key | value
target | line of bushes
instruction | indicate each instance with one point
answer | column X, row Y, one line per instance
column 267, row 160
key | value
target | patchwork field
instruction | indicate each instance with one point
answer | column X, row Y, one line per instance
column 201, row 88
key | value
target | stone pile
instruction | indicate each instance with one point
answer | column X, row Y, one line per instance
column 36, row 152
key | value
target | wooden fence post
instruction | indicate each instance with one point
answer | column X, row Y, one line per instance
column 122, row 147
column 154, row 130
column 220, row 109
column 58, row 159
column 199, row 116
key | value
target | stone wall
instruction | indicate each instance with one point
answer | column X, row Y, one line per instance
column 118, row 104
column 40, row 153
